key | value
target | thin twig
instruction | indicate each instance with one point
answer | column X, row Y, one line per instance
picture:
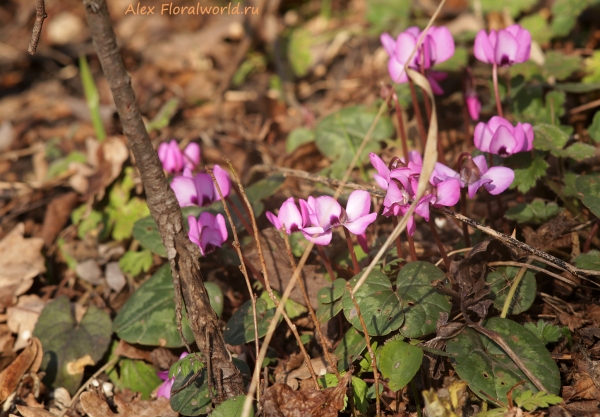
column 272, row 296
column 40, row 16
column 236, row 245
column 324, row 342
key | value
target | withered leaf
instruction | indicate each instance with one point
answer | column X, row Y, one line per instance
column 28, row 361
column 95, row 406
column 281, row 401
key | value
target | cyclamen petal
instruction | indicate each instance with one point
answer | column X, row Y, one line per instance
column 328, row 212
column 504, row 47
column 290, row 217
column 205, row 189
column 499, row 137
column 317, row 235
column 358, row 205
column 359, row 225
column 191, row 155
column 501, row 177
column 185, row 191
column 223, row 180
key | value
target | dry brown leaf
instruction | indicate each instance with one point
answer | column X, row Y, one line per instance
column 57, row 214
column 20, row 261
column 33, row 412
column 23, row 317
column 129, row 351
column 281, row 401
column 28, row 361
column 95, row 406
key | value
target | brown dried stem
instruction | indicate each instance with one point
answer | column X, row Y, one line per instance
column 40, row 16
column 272, row 296
column 182, row 254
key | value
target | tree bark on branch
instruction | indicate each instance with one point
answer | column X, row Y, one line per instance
column 182, row 254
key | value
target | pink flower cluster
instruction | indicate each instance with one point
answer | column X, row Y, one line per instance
column 317, row 217
column 208, row 231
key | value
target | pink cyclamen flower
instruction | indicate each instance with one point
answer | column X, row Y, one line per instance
column 208, row 231
column 504, row 47
column 499, row 137
column 165, row 388
column 328, row 213
column 200, row 190
column 474, row 174
column 437, row 46
column 289, row 216
column 174, row 161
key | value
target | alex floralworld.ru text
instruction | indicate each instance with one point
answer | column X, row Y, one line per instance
column 168, row 8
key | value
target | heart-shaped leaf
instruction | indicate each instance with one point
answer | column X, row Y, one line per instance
column 70, row 346
column 231, row 408
column 490, row 372
column 350, row 347
column 379, row 305
column 421, row 302
column 399, row 362
column 148, row 316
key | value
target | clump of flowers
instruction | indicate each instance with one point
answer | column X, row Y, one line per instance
column 499, row 137
column 174, row 161
column 199, row 189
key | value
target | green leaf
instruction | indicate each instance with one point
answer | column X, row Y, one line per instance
column 384, row 15
column 61, row 165
column 513, row 7
column 579, row 151
column 148, row 316
column 491, row 373
column 215, row 295
column 327, row 295
column 339, row 135
column 530, row 401
column 526, row 178
column 92, row 98
column 561, row 66
column 421, row 302
column 569, row 188
column 326, row 312
column 146, row 232
column 194, row 399
column 531, row 107
column 350, row 348
column 500, row 282
column 537, row 25
column 69, row 346
column 298, row 137
column 549, row 138
column 565, row 13
column 589, row 187
column 546, row 332
column 594, row 128
column 240, row 327
column 87, row 223
column 590, row 260
column 135, row 262
column 135, row 375
column 536, row 212
column 577, row 87
column 399, row 362
column 299, row 53
column 592, row 67
column 232, row 408
column 379, row 305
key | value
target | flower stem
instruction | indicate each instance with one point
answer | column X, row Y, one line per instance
column 496, row 90
column 401, row 129
column 440, row 246
column 463, row 210
column 326, row 261
column 398, row 240
column 411, row 245
column 418, row 115
column 351, row 250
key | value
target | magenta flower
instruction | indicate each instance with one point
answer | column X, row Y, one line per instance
column 200, row 189
column 504, row 47
column 165, row 389
column 474, row 174
column 382, row 178
column 438, row 46
column 499, row 137
column 288, row 216
column 208, row 231
column 328, row 213
column 174, row 161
